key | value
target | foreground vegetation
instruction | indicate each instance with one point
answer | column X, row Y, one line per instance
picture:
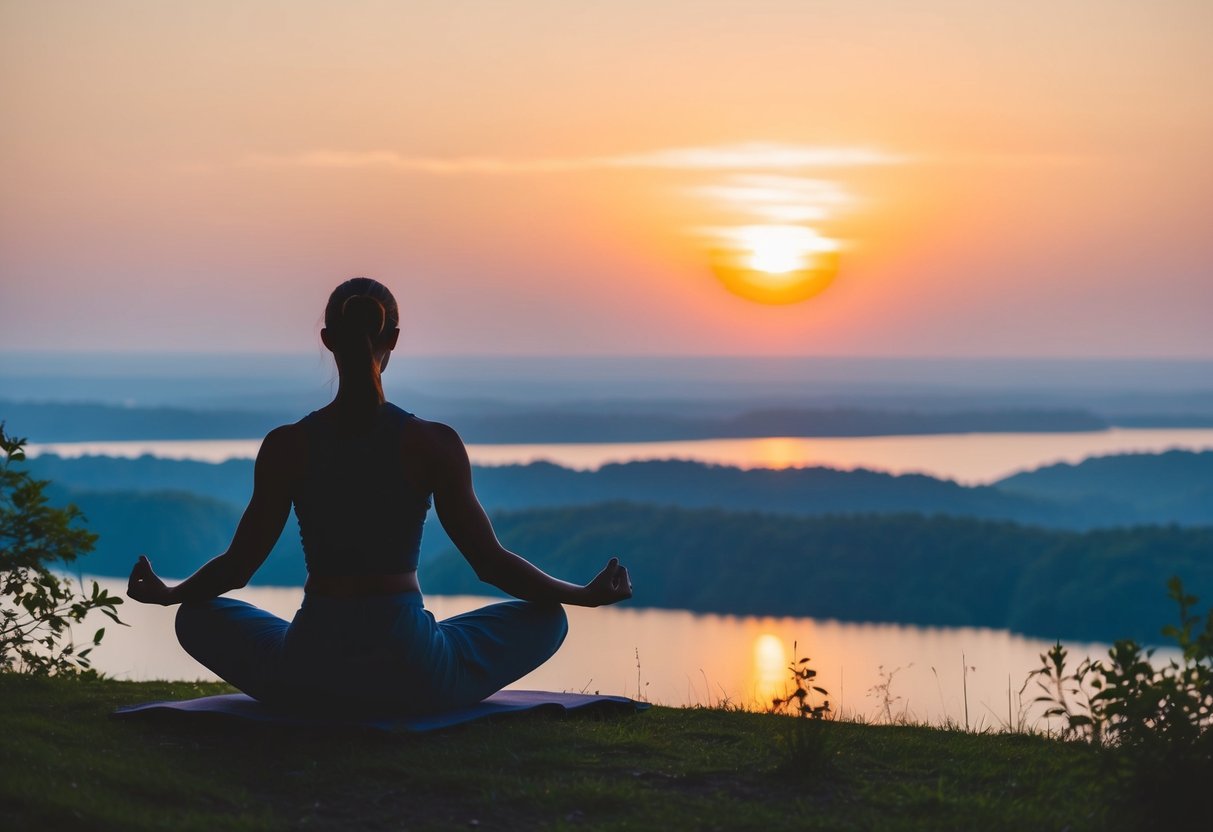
column 38, row 607
column 65, row 764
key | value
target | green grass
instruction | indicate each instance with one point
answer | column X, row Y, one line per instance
column 65, row 764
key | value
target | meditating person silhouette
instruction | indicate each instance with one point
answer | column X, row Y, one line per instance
column 360, row 473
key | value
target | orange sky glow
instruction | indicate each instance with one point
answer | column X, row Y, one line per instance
column 753, row 178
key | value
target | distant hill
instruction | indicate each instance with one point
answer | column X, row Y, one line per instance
column 1176, row 485
column 804, row 491
column 944, row 571
column 178, row 531
column 231, row 481
column 83, row 421
column 857, row 545
column 551, row 426
column 689, row 484
column 89, row 422
column 794, row 490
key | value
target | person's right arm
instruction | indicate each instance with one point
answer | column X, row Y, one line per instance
column 258, row 531
column 469, row 528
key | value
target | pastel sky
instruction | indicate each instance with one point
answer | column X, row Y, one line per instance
column 1001, row 178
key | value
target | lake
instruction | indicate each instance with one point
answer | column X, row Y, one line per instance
column 969, row 458
column 678, row 658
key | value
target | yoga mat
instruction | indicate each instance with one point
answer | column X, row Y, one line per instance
column 242, row 706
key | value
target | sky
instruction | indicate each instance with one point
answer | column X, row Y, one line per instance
column 941, row 178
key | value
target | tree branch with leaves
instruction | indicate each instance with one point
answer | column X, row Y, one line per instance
column 38, row 606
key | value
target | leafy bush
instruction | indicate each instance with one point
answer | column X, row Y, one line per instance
column 1156, row 723
column 37, row 607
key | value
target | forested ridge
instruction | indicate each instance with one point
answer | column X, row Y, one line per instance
column 1176, row 487
column 853, row 545
column 914, row 569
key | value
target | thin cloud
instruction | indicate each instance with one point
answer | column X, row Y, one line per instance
column 415, row 164
column 777, row 198
column 758, row 156
column 753, row 156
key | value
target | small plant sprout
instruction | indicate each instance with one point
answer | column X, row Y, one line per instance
column 800, row 701
column 965, row 667
column 1069, row 695
column 883, row 692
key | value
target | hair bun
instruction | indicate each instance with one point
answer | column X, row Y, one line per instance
column 363, row 315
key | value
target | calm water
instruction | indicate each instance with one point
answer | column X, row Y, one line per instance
column 682, row 658
column 969, row 458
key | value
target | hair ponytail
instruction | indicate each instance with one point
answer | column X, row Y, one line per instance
column 358, row 315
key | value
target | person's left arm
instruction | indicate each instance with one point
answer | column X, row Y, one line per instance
column 256, row 535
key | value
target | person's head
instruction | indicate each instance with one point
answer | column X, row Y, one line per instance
column 361, row 326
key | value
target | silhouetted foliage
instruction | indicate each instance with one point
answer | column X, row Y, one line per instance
column 800, row 700
column 1157, row 723
column 37, row 607
column 808, row 748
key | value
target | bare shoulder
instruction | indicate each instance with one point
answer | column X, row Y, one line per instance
column 283, row 448
column 440, row 440
column 436, row 454
column 283, row 438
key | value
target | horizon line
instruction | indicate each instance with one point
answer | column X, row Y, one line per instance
column 404, row 353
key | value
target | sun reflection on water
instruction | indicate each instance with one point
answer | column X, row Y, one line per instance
column 780, row 452
column 770, row 667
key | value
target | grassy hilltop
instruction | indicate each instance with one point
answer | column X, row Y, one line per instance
column 65, row 764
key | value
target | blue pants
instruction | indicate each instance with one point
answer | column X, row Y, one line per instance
column 383, row 651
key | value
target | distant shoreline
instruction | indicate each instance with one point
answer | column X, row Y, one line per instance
column 969, row 458
column 95, row 422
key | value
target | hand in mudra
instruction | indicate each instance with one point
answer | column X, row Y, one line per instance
column 145, row 585
column 610, row 585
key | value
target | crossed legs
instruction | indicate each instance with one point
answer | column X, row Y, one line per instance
column 470, row 656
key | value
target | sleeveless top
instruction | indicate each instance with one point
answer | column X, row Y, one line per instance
column 357, row 513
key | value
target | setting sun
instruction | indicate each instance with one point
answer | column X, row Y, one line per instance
column 764, row 241
column 779, row 249
column 776, row 264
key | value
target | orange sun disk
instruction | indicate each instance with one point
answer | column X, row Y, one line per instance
column 741, row 274
column 775, row 264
